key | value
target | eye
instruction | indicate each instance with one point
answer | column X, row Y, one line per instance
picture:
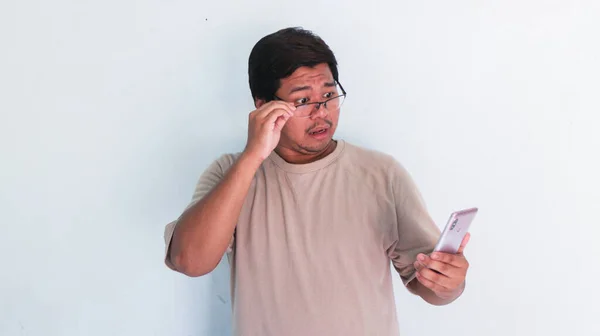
column 329, row 95
column 301, row 101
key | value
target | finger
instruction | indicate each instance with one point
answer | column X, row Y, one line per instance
column 263, row 111
column 266, row 109
column 457, row 260
column 280, row 121
column 437, row 278
column 418, row 265
column 464, row 243
column 279, row 115
column 423, row 260
column 448, row 270
column 435, row 287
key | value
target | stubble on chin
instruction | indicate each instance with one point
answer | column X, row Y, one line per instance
column 315, row 149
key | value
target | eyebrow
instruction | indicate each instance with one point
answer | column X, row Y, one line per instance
column 306, row 87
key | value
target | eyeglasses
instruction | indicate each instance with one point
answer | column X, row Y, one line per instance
column 331, row 104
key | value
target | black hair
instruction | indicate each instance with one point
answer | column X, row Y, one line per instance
column 279, row 54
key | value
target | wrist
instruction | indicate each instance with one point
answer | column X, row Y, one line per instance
column 250, row 161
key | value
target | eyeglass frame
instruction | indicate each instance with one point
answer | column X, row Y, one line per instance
column 324, row 103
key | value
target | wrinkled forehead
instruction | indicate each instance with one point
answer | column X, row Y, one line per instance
column 307, row 78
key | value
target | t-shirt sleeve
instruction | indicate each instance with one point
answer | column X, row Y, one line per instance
column 414, row 231
column 209, row 179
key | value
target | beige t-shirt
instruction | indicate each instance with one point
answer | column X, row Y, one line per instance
column 312, row 248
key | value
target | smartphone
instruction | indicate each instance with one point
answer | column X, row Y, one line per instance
column 456, row 228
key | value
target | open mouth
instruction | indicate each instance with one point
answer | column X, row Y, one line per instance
column 319, row 131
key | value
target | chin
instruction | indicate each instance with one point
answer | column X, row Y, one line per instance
column 313, row 146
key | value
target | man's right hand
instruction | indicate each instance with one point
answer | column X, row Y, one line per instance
column 264, row 128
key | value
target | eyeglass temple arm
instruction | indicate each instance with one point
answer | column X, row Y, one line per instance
column 341, row 87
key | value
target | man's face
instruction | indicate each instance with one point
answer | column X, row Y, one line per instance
column 311, row 134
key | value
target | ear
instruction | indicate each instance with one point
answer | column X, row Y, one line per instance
column 259, row 102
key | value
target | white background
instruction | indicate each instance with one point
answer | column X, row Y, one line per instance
column 111, row 109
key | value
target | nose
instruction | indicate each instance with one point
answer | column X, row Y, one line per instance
column 319, row 112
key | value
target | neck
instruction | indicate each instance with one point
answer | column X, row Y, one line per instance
column 301, row 157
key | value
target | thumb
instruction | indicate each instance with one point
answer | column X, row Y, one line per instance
column 464, row 243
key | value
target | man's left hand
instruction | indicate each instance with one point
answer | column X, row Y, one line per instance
column 443, row 273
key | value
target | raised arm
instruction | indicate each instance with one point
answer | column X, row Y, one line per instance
column 201, row 235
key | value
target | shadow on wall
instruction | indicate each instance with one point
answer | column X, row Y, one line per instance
column 220, row 301
column 231, row 137
column 212, row 292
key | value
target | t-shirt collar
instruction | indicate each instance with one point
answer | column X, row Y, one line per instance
column 308, row 167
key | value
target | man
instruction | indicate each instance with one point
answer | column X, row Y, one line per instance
column 309, row 224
